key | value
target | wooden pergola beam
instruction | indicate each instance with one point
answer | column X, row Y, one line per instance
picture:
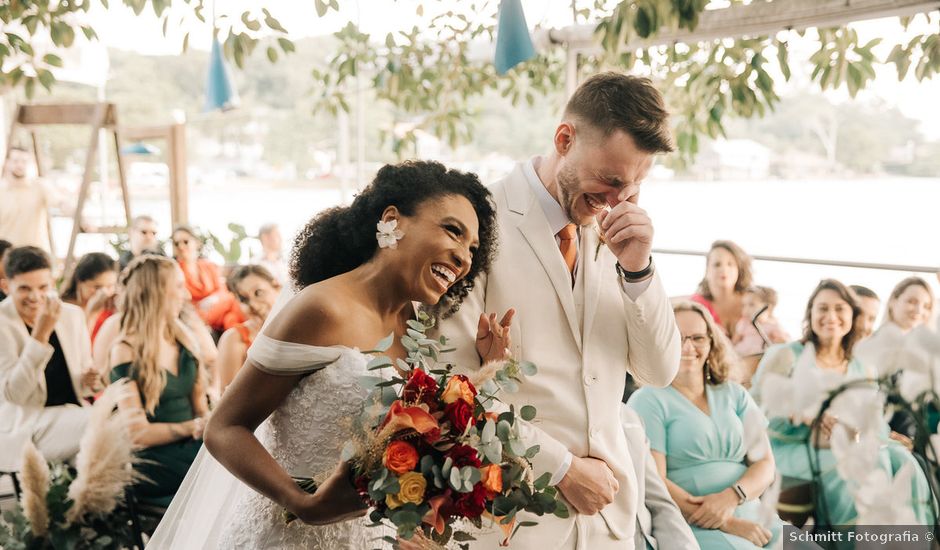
column 757, row 18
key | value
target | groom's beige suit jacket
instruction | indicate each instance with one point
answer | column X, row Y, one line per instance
column 582, row 339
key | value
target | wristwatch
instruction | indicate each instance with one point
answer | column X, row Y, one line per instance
column 635, row 276
column 742, row 496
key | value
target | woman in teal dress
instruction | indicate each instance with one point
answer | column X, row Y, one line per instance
column 709, row 441
column 830, row 334
column 155, row 353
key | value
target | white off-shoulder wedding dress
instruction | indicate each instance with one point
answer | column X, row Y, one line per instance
column 306, row 435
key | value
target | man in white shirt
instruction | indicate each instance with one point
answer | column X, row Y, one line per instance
column 587, row 310
column 24, row 210
column 45, row 359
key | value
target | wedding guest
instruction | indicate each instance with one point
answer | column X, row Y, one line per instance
column 156, row 353
column 727, row 276
column 5, row 245
column 659, row 523
column 869, row 303
column 24, row 210
column 214, row 303
column 142, row 238
column 45, row 358
column 709, row 440
column 757, row 308
column 828, row 344
column 257, row 290
column 589, row 309
column 888, row 350
column 271, row 256
column 92, row 287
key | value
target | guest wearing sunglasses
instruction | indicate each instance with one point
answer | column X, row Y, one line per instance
column 214, row 303
column 142, row 237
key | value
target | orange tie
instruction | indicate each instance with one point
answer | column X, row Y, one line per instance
column 568, row 245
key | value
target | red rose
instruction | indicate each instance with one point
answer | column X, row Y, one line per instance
column 460, row 415
column 420, row 388
column 464, row 455
column 471, row 505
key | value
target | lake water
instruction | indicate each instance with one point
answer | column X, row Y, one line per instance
column 882, row 220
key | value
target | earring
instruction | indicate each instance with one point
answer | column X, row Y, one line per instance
column 388, row 234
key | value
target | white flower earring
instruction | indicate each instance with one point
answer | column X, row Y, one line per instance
column 388, row 233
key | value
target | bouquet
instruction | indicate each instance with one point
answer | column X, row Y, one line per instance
column 432, row 455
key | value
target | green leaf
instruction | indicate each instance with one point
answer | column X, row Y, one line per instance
column 379, row 362
column 45, row 78
column 52, row 59
column 272, row 54
column 527, row 412
column 250, row 24
column 286, row 45
column 321, row 7
column 383, row 344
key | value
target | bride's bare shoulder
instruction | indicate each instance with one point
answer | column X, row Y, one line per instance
column 316, row 316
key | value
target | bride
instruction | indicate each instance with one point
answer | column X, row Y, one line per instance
column 287, row 413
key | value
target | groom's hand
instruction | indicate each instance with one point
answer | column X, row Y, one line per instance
column 589, row 485
column 628, row 232
column 493, row 341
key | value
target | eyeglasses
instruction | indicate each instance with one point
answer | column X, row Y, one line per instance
column 698, row 340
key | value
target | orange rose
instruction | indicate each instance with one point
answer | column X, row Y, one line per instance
column 400, row 457
column 458, row 387
column 492, row 479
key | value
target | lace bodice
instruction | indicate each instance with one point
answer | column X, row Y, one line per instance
column 306, row 435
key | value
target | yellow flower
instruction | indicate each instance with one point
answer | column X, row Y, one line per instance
column 392, row 501
column 412, row 486
column 458, row 387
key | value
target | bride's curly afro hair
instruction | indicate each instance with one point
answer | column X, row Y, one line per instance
column 341, row 239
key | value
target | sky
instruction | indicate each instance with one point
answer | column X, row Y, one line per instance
column 118, row 28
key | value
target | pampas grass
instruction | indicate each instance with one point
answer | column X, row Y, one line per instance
column 105, row 458
column 485, row 373
column 35, row 474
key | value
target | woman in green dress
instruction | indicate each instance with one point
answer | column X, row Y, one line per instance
column 829, row 336
column 156, row 353
column 709, row 441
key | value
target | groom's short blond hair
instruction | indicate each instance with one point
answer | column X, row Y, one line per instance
column 612, row 101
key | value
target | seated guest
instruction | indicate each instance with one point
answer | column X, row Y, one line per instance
column 709, row 441
column 757, row 308
column 142, row 237
column 727, row 276
column 659, row 523
column 828, row 342
column 892, row 350
column 45, row 359
column 257, row 291
column 92, row 287
column 869, row 303
column 156, row 353
column 214, row 303
column 4, row 247
column 271, row 256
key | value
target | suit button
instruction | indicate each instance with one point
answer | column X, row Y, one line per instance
column 589, row 379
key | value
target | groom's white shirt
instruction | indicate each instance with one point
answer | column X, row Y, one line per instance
column 582, row 338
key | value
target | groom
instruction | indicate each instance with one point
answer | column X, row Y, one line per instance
column 588, row 309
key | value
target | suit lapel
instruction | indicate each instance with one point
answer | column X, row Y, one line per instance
column 533, row 225
column 591, row 268
column 73, row 357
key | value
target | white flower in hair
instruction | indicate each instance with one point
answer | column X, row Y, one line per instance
column 388, row 234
